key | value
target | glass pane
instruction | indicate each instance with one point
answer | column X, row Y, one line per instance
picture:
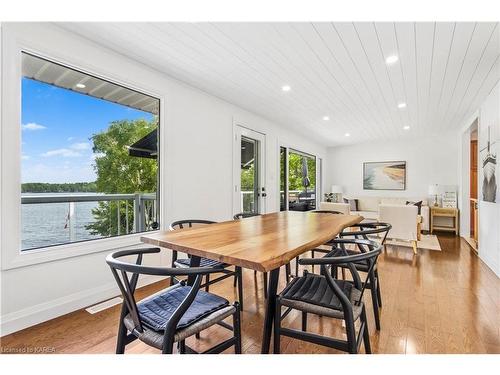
column 89, row 157
column 301, row 182
column 249, row 176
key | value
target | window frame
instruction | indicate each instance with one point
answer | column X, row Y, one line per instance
column 10, row 150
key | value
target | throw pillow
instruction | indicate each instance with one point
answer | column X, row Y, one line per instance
column 353, row 204
column 418, row 204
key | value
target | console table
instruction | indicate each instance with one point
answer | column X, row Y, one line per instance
column 444, row 212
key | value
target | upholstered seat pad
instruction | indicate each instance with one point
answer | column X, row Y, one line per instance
column 204, row 262
column 155, row 339
column 311, row 293
column 156, row 312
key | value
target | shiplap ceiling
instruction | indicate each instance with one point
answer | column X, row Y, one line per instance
column 338, row 70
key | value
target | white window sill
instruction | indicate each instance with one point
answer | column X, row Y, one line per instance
column 19, row 259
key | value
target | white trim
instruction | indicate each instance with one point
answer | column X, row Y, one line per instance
column 42, row 312
column 239, row 130
column 10, row 149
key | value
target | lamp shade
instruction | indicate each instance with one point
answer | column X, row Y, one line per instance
column 433, row 189
column 337, row 189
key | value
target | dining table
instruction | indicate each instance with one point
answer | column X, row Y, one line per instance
column 261, row 243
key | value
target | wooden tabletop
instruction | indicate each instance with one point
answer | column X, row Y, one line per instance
column 261, row 243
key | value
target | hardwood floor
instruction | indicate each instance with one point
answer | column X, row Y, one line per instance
column 437, row 302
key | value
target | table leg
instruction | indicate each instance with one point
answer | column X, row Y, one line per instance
column 270, row 310
column 195, row 262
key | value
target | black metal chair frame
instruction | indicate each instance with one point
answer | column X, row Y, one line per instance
column 128, row 285
column 353, row 342
column 313, row 251
column 237, row 273
column 373, row 284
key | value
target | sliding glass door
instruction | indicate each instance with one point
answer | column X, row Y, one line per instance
column 298, row 180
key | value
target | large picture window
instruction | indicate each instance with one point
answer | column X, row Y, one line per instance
column 89, row 157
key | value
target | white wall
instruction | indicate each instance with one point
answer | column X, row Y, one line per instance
column 196, row 174
column 430, row 160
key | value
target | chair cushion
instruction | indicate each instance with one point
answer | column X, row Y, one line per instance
column 204, row 262
column 155, row 339
column 311, row 293
column 155, row 312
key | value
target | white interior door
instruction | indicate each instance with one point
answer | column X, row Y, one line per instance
column 249, row 191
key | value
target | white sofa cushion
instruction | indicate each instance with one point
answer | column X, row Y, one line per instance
column 339, row 207
column 368, row 203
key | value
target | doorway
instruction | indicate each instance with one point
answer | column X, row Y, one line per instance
column 249, row 171
column 473, row 187
column 299, row 177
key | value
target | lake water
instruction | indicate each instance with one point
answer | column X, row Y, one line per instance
column 44, row 224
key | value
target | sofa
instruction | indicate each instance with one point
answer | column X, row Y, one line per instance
column 369, row 207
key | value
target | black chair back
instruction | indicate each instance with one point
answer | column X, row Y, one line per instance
column 243, row 215
column 364, row 230
column 326, row 212
column 348, row 261
column 127, row 274
column 188, row 223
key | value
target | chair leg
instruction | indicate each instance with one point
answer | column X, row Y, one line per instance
column 379, row 295
column 235, row 280
column 239, row 276
column 237, row 329
column 207, row 280
column 373, row 290
column 122, row 332
column 312, row 256
column 304, row 321
column 277, row 327
column 197, row 335
column 174, row 258
column 366, row 333
column 288, row 273
column 351, row 334
column 265, row 285
column 182, row 347
column 122, row 335
column 297, row 266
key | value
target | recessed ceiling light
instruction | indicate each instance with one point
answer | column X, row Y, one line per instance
column 347, row 134
column 406, row 127
column 326, row 118
column 401, row 105
column 391, row 59
column 80, row 85
column 286, row 88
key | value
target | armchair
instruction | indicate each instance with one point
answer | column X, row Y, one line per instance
column 405, row 221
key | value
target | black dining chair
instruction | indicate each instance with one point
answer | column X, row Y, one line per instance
column 173, row 314
column 204, row 262
column 364, row 231
column 316, row 250
column 326, row 296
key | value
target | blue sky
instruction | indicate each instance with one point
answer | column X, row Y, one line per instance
column 56, row 128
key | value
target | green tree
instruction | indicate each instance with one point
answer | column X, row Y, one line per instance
column 119, row 173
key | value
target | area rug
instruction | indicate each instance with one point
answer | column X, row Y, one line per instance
column 427, row 241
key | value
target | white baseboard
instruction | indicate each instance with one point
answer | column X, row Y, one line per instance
column 28, row 317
